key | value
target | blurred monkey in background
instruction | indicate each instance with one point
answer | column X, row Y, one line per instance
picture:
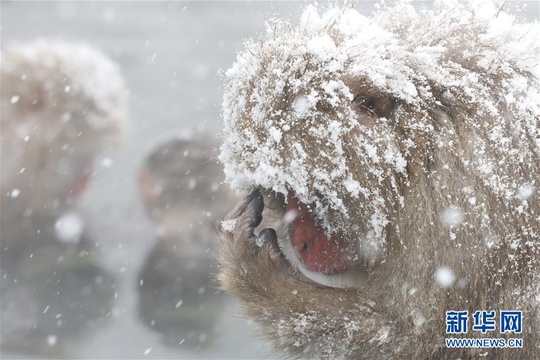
column 181, row 185
column 62, row 104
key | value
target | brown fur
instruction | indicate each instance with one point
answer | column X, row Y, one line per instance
column 397, row 309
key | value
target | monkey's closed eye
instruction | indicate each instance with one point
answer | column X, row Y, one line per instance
column 372, row 106
column 368, row 107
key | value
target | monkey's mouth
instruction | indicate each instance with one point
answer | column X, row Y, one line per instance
column 325, row 260
column 317, row 251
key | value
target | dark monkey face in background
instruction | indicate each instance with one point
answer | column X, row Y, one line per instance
column 395, row 163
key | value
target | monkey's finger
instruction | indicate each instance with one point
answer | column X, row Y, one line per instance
column 242, row 206
column 267, row 236
column 254, row 209
column 267, row 241
column 250, row 216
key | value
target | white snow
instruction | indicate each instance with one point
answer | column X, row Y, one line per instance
column 228, row 225
column 69, row 227
column 289, row 216
column 525, row 191
column 106, row 162
column 444, row 276
column 491, row 241
column 452, row 216
column 51, row 340
column 275, row 134
column 14, row 193
column 301, row 105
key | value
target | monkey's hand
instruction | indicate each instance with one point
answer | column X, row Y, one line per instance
column 246, row 257
column 301, row 317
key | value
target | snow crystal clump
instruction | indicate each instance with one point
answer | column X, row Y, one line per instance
column 492, row 241
column 301, row 105
column 525, row 191
column 228, row 225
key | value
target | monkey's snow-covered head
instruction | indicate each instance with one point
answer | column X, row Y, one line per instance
column 62, row 105
column 347, row 111
column 400, row 154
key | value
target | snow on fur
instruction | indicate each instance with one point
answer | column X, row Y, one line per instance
column 289, row 95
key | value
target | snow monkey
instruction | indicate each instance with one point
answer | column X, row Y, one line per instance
column 181, row 172
column 391, row 165
column 181, row 183
column 62, row 105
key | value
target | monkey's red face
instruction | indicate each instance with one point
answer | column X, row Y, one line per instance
column 317, row 251
column 81, row 182
column 146, row 185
